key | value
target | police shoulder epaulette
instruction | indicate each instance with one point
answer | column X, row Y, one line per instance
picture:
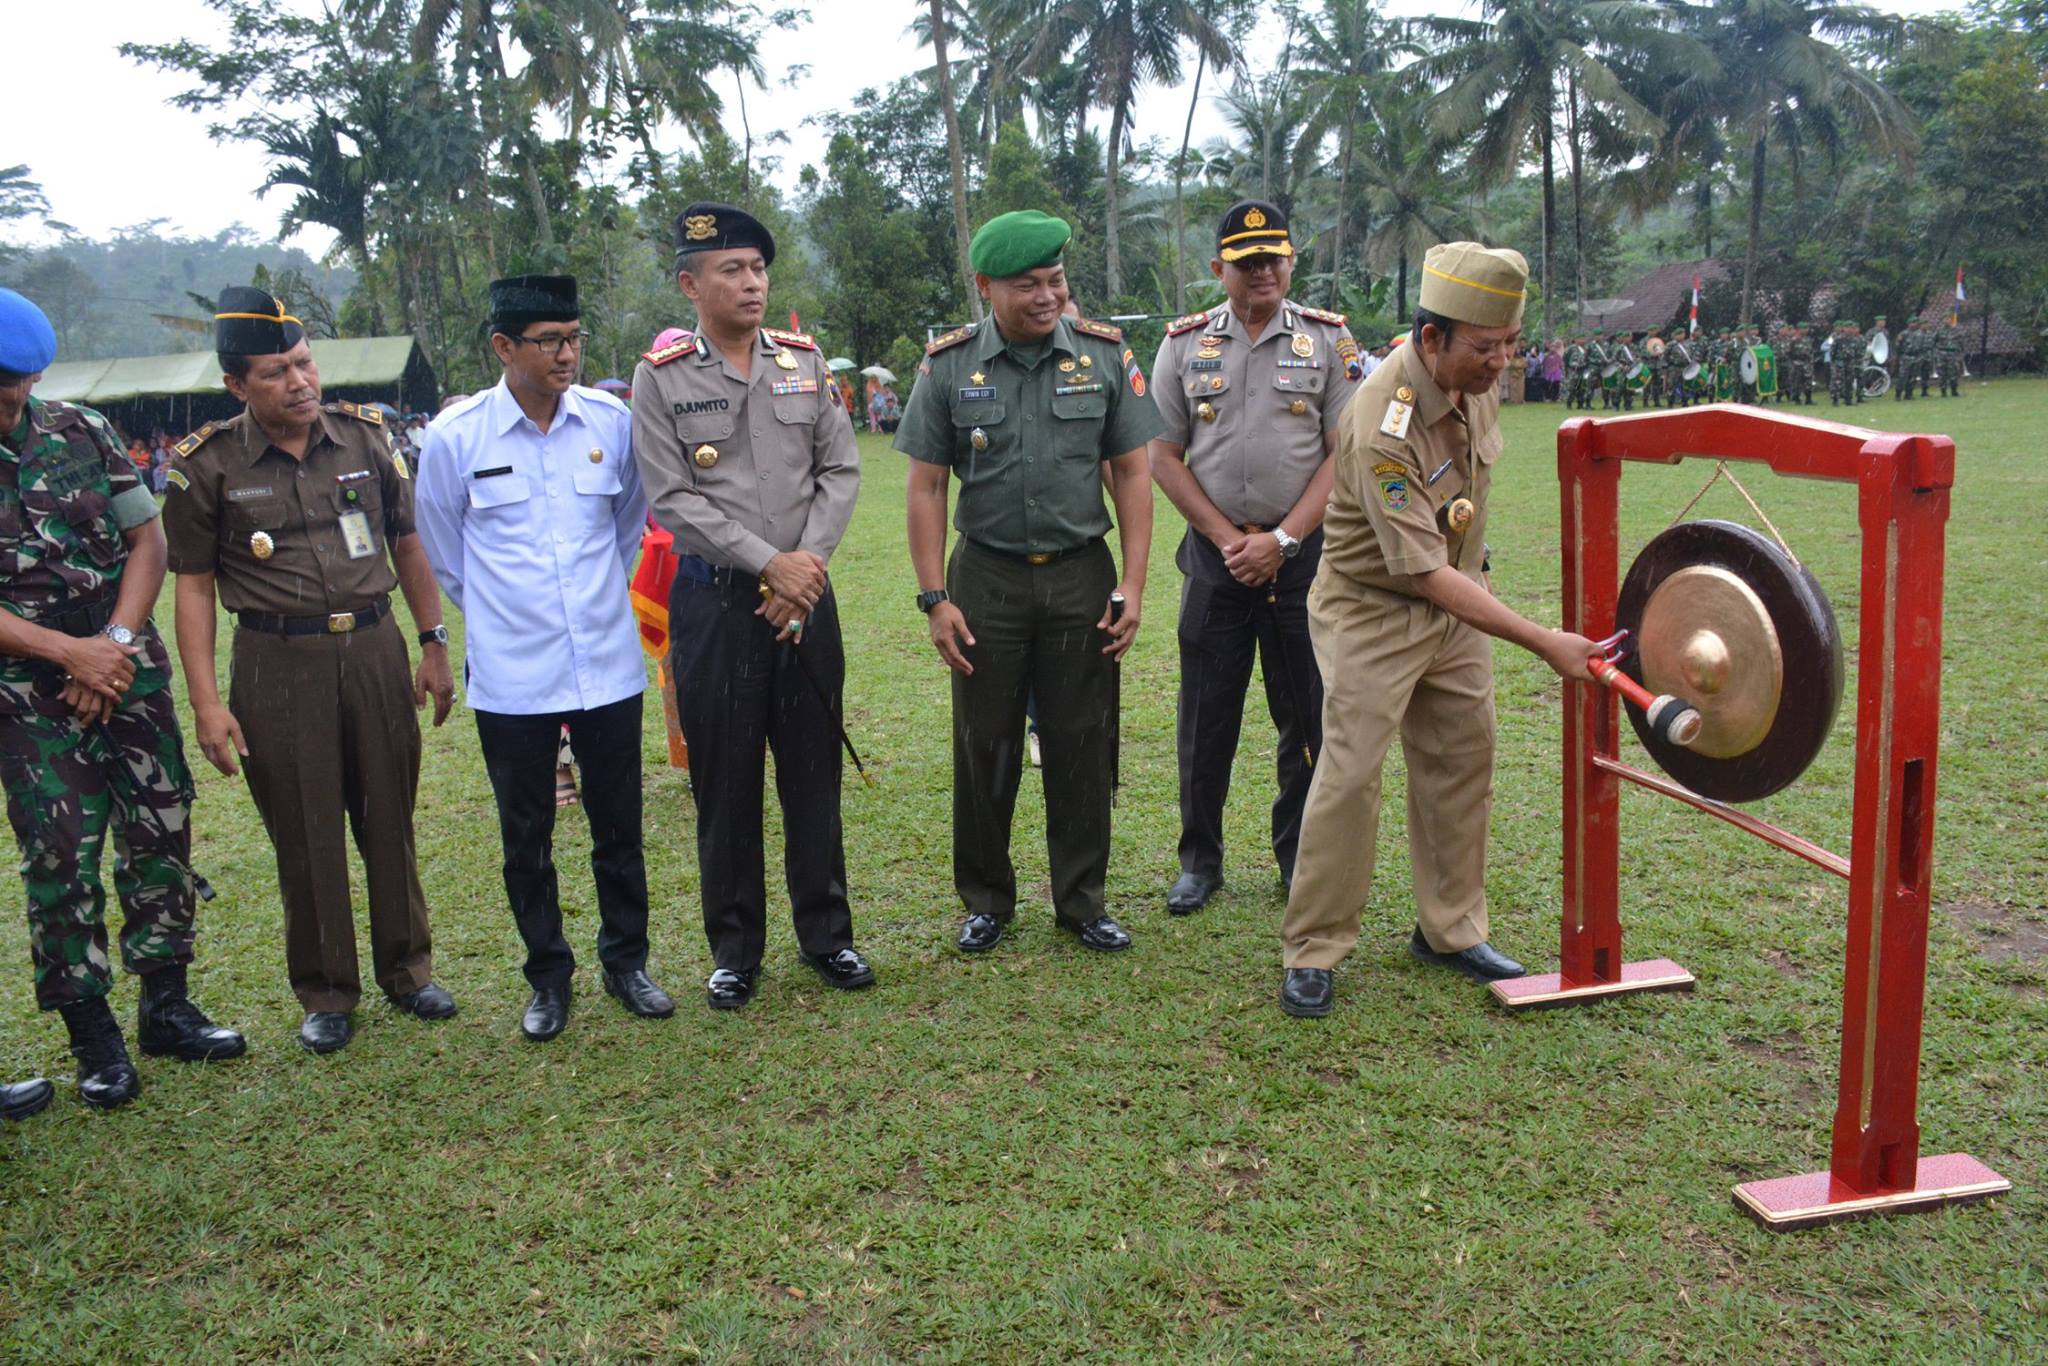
column 1106, row 331
column 953, row 338
column 804, row 340
column 1322, row 315
column 197, row 439
column 1186, row 323
column 362, row 412
column 675, row 350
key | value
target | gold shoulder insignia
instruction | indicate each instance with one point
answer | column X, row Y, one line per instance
column 362, row 412
column 1186, row 323
column 675, row 350
column 1322, row 315
column 1106, row 331
column 953, row 338
column 197, row 439
column 803, row 340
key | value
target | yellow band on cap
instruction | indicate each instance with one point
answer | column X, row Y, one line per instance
column 260, row 317
column 1474, row 284
column 1257, row 232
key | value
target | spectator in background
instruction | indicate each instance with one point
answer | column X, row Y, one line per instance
column 1553, row 372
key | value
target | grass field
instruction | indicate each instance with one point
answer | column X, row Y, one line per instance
column 1047, row 1154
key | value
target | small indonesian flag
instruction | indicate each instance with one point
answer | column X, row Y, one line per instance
column 1961, row 298
column 1695, row 324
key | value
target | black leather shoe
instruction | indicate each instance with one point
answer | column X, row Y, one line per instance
column 106, row 1076
column 1190, row 892
column 430, row 1002
column 326, row 1031
column 729, row 989
column 980, row 933
column 547, row 1014
column 168, row 1025
column 1307, row 992
column 20, row 1099
column 846, row 969
column 636, row 991
column 1103, row 935
column 1481, row 962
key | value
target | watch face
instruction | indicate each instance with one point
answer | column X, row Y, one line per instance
column 120, row 635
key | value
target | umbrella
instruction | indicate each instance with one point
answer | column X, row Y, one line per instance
column 612, row 386
column 839, row 363
column 386, row 409
column 880, row 372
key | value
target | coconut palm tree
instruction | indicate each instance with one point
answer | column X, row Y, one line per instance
column 1344, row 53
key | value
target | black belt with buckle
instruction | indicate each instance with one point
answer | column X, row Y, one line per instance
column 82, row 619
column 697, row 569
column 1034, row 558
column 333, row 624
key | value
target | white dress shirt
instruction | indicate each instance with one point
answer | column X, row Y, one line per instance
column 533, row 535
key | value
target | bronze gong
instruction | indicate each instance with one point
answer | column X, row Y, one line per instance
column 1725, row 619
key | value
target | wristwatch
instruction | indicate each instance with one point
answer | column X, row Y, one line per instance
column 928, row 600
column 1289, row 547
column 437, row 636
column 119, row 634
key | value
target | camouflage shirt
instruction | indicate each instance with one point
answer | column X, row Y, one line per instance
column 68, row 492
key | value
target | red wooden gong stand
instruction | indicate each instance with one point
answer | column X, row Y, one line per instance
column 1902, row 493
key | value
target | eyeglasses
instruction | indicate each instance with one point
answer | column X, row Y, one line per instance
column 552, row 346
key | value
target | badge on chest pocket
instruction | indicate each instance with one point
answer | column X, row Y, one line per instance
column 355, row 534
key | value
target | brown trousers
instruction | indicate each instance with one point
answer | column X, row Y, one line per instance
column 333, row 736
column 1394, row 665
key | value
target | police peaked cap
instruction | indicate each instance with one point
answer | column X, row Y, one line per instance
column 705, row 226
column 1253, row 227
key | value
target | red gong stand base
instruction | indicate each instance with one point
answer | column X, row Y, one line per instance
column 1790, row 1202
column 1545, row 990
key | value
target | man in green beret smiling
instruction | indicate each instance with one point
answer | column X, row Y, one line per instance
column 1026, row 407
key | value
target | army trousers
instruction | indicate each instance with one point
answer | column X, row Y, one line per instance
column 1223, row 624
column 1034, row 635
column 334, row 750
column 741, row 695
column 1394, row 666
column 67, row 786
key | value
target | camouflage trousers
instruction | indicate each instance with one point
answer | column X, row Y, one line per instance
column 67, row 786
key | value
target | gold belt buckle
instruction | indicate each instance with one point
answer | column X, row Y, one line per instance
column 340, row 623
column 1039, row 557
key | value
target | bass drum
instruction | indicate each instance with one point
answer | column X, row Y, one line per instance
column 1877, row 381
column 1750, row 365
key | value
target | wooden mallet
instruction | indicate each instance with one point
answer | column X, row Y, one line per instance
column 1672, row 718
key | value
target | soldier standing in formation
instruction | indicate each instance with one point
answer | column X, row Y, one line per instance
column 1251, row 393
column 1677, row 388
column 1845, row 365
column 530, row 510
column 1948, row 359
column 1911, row 366
column 300, row 515
column 1576, row 363
column 749, row 461
column 1403, row 618
column 89, row 740
column 1026, row 407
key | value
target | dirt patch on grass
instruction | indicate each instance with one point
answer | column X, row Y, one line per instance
column 1784, row 1053
column 2002, row 934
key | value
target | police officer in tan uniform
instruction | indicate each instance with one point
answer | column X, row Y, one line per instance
column 749, row 460
column 300, row 515
column 1402, row 615
column 1251, row 393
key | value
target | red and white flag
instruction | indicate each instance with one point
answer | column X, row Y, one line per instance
column 1695, row 325
column 1955, row 313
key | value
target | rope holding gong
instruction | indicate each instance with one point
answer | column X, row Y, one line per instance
column 1721, row 470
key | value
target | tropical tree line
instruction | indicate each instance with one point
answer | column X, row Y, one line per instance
column 443, row 142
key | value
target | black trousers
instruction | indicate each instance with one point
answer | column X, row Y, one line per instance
column 519, row 754
column 740, row 694
column 1034, row 636
column 1222, row 623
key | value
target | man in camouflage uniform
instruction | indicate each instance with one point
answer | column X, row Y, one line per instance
column 1575, row 362
column 1843, row 364
column 89, row 736
column 1948, row 359
column 1908, row 361
column 1597, row 361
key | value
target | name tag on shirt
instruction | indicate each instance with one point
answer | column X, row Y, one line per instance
column 1297, row 363
column 1199, row 364
column 975, row 391
column 1395, row 423
column 492, row 473
column 355, row 534
column 354, row 476
column 260, row 491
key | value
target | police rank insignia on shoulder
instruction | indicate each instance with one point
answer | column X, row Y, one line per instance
column 801, row 340
column 363, row 412
column 1106, row 331
column 1395, row 423
column 197, row 439
column 1322, row 315
column 175, row 478
column 1186, row 323
column 953, row 338
column 675, row 350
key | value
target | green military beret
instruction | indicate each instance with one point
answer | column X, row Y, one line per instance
column 1012, row 243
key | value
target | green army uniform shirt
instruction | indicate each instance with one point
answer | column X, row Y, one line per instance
column 1026, row 429
column 68, row 493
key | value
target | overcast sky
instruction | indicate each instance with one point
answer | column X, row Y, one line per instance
column 110, row 151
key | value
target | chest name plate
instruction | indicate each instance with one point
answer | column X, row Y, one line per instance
column 702, row 405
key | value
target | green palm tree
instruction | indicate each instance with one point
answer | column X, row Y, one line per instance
column 1403, row 170
column 1515, row 80
column 1776, row 76
column 1344, row 55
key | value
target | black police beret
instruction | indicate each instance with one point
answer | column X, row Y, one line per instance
column 705, row 226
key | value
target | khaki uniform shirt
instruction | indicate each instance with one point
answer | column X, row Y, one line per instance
column 1404, row 456
column 327, row 521
column 1026, row 429
column 1251, row 415
column 742, row 469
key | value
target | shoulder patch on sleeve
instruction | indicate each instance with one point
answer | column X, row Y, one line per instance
column 1106, row 331
column 1187, row 322
column 802, row 340
column 175, row 478
column 675, row 350
column 953, row 338
column 362, row 412
column 196, row 439
column 1322, row 315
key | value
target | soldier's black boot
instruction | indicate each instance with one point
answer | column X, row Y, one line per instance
column 170, row 1026
column 106, row 1077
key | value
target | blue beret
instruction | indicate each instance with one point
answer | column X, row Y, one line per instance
column 27, row 341
column 1012, row 243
